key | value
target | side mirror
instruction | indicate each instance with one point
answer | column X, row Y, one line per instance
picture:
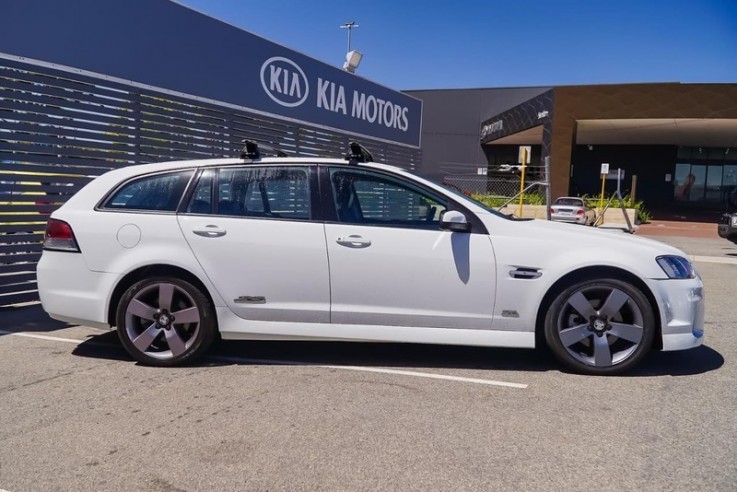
column 454, row 221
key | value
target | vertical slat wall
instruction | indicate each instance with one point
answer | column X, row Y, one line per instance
column 58, row 130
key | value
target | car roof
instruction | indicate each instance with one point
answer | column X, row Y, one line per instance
column 140, row 169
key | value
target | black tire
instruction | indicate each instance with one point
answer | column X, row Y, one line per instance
column 165, row 321
column 600, row 326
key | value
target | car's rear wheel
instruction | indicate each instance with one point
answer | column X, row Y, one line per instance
column 600, row 326
column 165, row 321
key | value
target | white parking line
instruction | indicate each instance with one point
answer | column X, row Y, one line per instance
column 40, row 337
column 428, row 375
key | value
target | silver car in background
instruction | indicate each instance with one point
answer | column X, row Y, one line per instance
column 572, row 209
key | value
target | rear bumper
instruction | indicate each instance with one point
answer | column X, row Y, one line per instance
column 70, row 292
column 576, row 219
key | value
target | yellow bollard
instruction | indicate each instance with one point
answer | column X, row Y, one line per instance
column 522, row 182
column 601, row 199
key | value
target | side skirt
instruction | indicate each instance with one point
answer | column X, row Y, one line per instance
column 235, row 328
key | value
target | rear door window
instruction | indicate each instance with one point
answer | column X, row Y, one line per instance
column 278, row 192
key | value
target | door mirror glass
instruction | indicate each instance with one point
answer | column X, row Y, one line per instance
column 454, row 221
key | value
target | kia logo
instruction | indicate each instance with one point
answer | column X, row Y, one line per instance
column 284, row 81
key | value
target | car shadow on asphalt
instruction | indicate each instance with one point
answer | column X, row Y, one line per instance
column 680, row 363
column 409, row 356
column 27, row 318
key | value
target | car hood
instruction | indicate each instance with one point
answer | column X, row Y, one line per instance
column 557, row 243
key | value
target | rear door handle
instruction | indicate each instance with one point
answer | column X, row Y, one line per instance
column 210, row 231
column 354, row 241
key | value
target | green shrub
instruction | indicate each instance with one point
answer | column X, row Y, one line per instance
column 643, row 215
column 498, row 201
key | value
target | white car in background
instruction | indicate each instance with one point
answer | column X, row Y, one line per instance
column 572, row 209
column 175, row 254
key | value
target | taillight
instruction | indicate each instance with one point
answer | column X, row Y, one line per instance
column 579, row 212
column 552, row 210
column 60, row 237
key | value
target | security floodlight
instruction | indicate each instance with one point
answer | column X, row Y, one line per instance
column 352, row 60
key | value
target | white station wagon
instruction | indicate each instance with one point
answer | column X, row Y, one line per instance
column 176, row 254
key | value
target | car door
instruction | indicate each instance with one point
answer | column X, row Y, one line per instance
column 390, row 264
column 252, row 230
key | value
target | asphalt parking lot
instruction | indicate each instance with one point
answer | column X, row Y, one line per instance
column 77, row 414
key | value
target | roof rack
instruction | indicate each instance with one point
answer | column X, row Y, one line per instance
column 358, row 153
column 252, row 150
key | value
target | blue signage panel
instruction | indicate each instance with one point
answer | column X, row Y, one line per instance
column 164, row 44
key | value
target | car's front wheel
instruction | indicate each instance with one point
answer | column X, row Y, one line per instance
column 165, row 321
column 600, row 326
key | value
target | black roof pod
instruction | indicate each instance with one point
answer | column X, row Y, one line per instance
column 252, row 150
column 358, row 153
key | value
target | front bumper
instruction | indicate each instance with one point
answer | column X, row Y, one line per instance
column 727, row 228
column 681, row 305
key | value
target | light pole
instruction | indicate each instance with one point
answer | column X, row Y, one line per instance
column 350, row 26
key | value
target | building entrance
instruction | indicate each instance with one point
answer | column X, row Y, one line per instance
column 707, row 181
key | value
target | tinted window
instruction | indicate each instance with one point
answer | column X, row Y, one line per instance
column 201, row 201
column 276, row 192
column 574, row 202
column 371, row 198
column 160, row 192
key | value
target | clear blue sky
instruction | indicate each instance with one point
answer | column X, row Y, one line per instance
column 441, row 44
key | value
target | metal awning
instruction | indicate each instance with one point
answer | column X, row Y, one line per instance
column 690, row 132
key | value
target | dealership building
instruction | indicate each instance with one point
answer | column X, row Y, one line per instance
column 679, row 140
column 87, row 86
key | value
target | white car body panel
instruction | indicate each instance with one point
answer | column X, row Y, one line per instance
column 436, row 278
column 517, row 243
column 71, row 292
column 285, row 262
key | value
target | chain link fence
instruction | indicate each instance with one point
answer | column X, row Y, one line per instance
column 498, row 184
column 485, row 185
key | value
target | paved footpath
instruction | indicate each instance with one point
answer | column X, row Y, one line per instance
column 699, row 239
column 677, row 228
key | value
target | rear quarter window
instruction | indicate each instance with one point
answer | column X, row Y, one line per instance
column 159, row 192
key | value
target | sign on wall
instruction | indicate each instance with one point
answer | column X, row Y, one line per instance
column 166, row 45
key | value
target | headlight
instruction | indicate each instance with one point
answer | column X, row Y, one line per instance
column 676, row 266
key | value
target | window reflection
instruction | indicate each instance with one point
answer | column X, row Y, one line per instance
column 705, row 175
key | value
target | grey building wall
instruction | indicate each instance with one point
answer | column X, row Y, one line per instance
column 451, row 124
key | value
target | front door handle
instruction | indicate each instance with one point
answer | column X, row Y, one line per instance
column 354, row 241
column 210, row 231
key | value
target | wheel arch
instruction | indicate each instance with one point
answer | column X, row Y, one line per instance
column 149, row 271
column 589, row 273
